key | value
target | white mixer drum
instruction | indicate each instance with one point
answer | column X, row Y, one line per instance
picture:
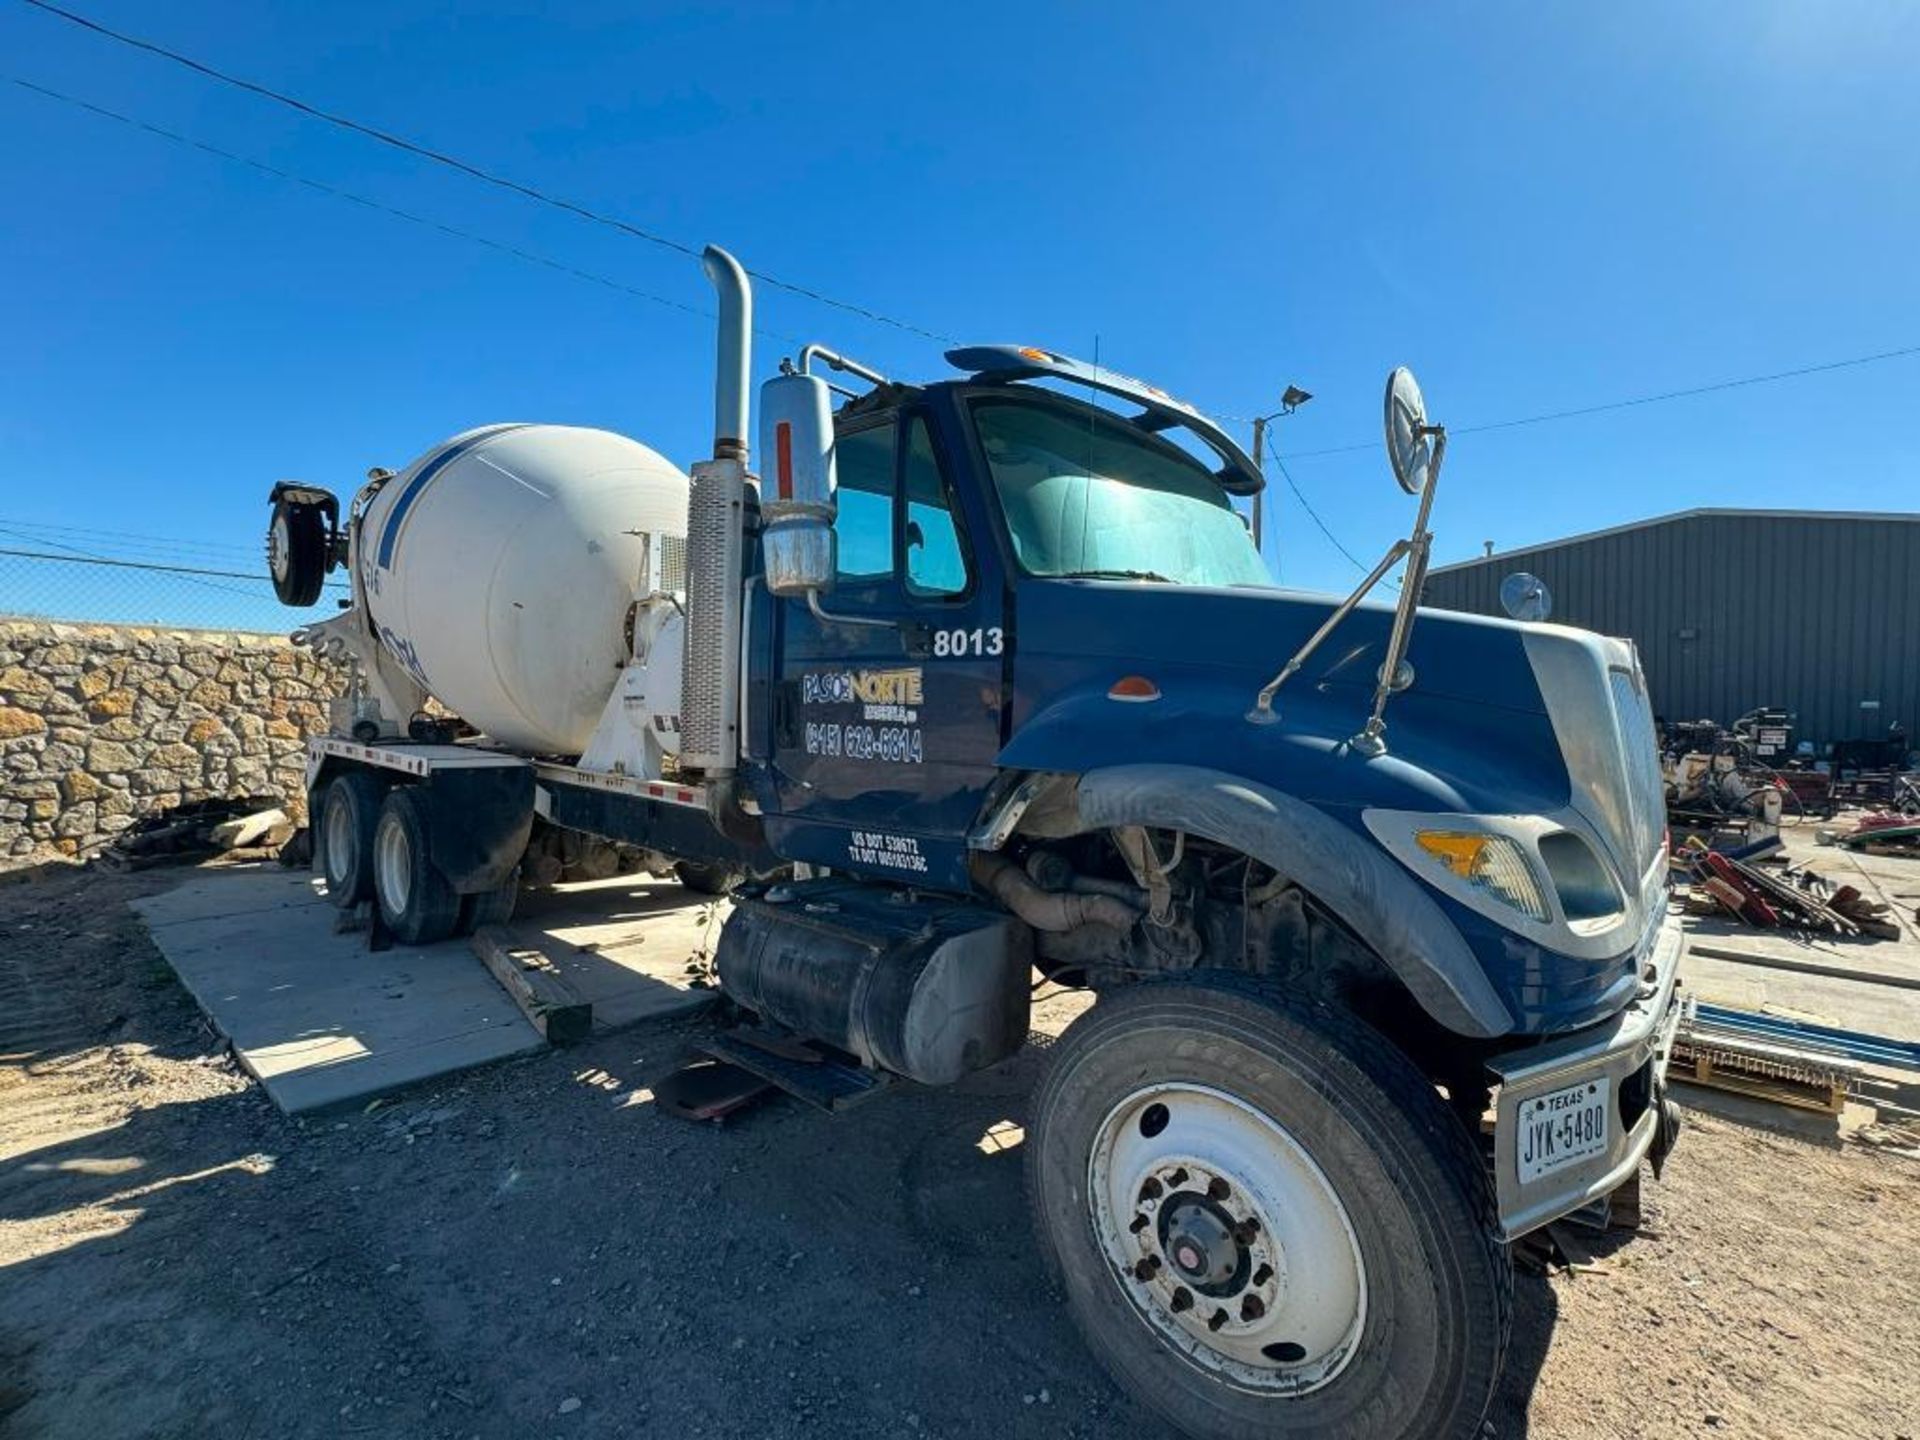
column 499, row 567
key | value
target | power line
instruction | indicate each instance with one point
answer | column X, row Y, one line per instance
column 515, row 251
column 130, row 540
column 1314, row 515
column 466, row 167
column 1665, row 395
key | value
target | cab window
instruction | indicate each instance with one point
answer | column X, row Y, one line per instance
column 864, row 528
column 936, row 566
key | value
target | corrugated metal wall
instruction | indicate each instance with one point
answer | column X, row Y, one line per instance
column 1732, row 611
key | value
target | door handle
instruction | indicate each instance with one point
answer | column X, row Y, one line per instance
column 916, row 639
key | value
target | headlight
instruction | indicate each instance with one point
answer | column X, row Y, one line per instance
column 1491, row 864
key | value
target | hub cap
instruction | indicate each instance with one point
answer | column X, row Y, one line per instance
column 340, row 841
column 1227, row 1238
column 279, row 547
column 393, row 866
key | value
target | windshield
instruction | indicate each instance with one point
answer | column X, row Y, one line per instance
column 1085, row 493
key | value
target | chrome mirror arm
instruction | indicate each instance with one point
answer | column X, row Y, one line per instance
column 1372, row 738
column 1263, row 712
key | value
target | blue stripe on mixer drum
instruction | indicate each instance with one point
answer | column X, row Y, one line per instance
column 421, row 479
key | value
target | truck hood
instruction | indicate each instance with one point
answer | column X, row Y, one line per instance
column 1501, row 718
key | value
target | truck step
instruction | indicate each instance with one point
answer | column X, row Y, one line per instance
column 822, row 1080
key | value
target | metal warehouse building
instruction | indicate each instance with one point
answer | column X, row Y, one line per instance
column 1814, row 612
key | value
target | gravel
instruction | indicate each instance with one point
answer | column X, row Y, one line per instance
column 534, row 1249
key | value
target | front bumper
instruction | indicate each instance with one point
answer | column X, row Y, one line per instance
column 1631, row 1050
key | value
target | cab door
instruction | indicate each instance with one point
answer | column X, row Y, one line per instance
column 887, row 705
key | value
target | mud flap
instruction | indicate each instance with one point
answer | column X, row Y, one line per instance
column 1666, row 1128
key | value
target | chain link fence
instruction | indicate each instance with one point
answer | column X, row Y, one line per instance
column 43, row 584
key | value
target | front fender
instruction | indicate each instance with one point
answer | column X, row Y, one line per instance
column 1348, row 874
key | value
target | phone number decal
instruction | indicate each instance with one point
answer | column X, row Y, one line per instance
column 895, row 744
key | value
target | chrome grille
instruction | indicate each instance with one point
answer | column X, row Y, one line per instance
column 1640, row 749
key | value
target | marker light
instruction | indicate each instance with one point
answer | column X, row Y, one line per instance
column 1134, row 688
column 1491, row 864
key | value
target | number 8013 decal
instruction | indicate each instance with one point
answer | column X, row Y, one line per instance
column 954, row 643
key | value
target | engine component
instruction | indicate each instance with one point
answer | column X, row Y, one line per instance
column 925, row 987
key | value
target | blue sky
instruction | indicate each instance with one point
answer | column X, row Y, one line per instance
column 1537, row 207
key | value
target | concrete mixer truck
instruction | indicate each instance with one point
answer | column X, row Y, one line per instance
column 976, row 678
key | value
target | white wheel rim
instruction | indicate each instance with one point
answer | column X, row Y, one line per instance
column 1227, row 1238
column 340, row 841
column 393, row 865
column 279, row 546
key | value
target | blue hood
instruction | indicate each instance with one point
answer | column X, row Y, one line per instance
column 1210, row 651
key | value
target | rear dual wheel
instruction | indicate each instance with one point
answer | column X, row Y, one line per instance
column 1266, row 1221
column 415, row 899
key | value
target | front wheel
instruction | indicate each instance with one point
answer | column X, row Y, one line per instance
column 1266, row 1221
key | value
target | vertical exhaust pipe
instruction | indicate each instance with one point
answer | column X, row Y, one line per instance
column 716, row 540
column 734, row 363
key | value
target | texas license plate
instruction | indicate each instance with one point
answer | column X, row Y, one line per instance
column 1563, row 1128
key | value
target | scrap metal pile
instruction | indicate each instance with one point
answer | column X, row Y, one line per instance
column 1794, row 898
column 1885, row 833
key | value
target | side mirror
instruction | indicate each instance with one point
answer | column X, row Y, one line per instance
column 798, row 488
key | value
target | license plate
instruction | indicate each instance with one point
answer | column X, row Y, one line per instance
column 1563, row 1128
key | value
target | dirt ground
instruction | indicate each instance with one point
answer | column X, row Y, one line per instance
column 535, row 1250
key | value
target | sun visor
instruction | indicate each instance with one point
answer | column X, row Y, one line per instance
column 1238, row 474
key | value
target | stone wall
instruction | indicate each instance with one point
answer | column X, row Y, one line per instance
column 101, row 724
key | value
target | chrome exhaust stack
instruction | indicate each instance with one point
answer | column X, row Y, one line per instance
column 716, row 540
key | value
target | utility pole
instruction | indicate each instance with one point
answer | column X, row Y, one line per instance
column 1260, row 495
column 1293, row 398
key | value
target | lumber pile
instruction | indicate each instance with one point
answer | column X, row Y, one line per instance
column 198, row 829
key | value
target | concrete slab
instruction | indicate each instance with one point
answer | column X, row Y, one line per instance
column 321, row 1021
column 625, row 945
column 318, row 1019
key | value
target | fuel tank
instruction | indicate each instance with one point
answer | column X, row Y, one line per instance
column 499, row 569
column 928, row 988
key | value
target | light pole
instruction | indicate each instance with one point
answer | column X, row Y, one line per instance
column 1290, row 401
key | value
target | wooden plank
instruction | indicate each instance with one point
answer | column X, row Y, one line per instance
column 1717, row 1073
column 543, row 994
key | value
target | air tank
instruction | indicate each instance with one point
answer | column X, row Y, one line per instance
column 499, row 569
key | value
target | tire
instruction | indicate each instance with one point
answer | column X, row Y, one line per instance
column 706, row 879
column 1346, row 1178
column 343, row 832
column 297, row 549
column 488, row 907
column 415, row 900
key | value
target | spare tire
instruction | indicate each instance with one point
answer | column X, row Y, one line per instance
column 297, row 551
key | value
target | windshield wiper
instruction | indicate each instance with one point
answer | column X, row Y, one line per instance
column 1153, row 575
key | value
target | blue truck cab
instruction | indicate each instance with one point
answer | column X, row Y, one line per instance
column 1027, row 681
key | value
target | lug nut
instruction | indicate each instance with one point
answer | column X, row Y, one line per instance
column 1262, row 1276
column 1252, row 1308
column 1216, row 1320
column 1179, row 1177
column 1182, row 1300
column 1218, row 1189
column 1246, row 1230
column 1147, row 1268
column 1140, row 1222
column 1151, row 1190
